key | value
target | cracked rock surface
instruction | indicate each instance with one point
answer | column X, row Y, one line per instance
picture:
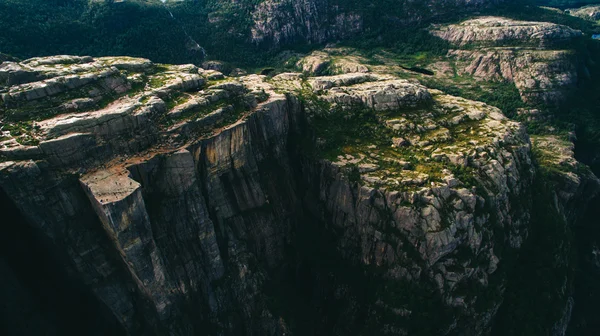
column 529, row 54
column 181, row 201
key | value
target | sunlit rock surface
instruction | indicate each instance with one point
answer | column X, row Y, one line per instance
column 185, row 202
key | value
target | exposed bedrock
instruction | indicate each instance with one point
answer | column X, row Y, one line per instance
column 277, row 22
column 536, row 56
column 187, row 205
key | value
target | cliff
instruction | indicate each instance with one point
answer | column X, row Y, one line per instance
column 317, row 21
column 241, row 31
column 183, row 202
column 535, row 56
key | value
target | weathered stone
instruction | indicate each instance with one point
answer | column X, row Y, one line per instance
column 514, row 51
column 498, row 30
column 186, row 200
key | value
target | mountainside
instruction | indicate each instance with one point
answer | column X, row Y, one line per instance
column 227, row 30
column 566, row 3
column 220, row 175
column 429, row 174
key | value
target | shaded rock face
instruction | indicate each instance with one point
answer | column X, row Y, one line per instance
column 576, row 186
column 316, row 21
column 529, row 54
column 185, row 205
column 496, row 31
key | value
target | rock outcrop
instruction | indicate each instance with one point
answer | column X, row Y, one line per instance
column 278, row 22
column 529, row 54
column 186, row 204
column 591, row 13
column 496, row 31
column 319, row 63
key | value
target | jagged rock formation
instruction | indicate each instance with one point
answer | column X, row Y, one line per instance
column 500, row 31
column 316, row 21
column 277, row 22
column 576, row 184
column 526, row 53
column 320, row 63
column 179, row 200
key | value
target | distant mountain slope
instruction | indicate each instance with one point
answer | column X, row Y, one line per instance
column 231, row 30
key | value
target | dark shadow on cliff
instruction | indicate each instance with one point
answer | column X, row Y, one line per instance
column 587, row 287
column 37, row 295
column 538, row 286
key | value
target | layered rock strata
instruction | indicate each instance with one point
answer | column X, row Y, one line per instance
column 532, row 55
column 180, row 201
column 276, row 22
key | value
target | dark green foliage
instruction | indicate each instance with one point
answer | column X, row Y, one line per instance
column 564, row 3
column 133, row 28
column 503, row 95
column 411, row 45
column 145, row 29
column 354, row 175
column 583, row 107
column 466, row 175
column 354, row 127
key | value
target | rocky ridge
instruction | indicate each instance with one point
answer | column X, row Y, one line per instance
column 174, row 197
column 529, row 54
column 315, row 21
column 498, row 31
column 591, row 12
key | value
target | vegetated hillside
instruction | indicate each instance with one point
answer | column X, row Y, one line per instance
column 345, row 200
column 228, row 30
column 96, row 27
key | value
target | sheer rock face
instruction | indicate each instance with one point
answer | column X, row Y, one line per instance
column 314, row 21
column 317, row 21
column 575, row 184
column 180, row 201
column 498, row 30
column 539, row 75
column 526, row 53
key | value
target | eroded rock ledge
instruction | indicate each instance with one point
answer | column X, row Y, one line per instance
column 179, row 199
column 533, row 55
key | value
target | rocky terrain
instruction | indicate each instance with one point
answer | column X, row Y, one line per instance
column 341, row 192
column 179, row 197
column 591, row 12
column 276, row 22
column 530, row 54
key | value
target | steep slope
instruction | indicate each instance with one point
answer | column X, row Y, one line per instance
column 530, row 54
column 509, row 55
column 238, row 31
column 189, row 203
column 591, row 13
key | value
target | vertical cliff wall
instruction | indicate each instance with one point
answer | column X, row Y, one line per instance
column 184, row 202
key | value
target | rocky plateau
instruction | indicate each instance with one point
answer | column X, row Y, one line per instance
column 179, row 201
